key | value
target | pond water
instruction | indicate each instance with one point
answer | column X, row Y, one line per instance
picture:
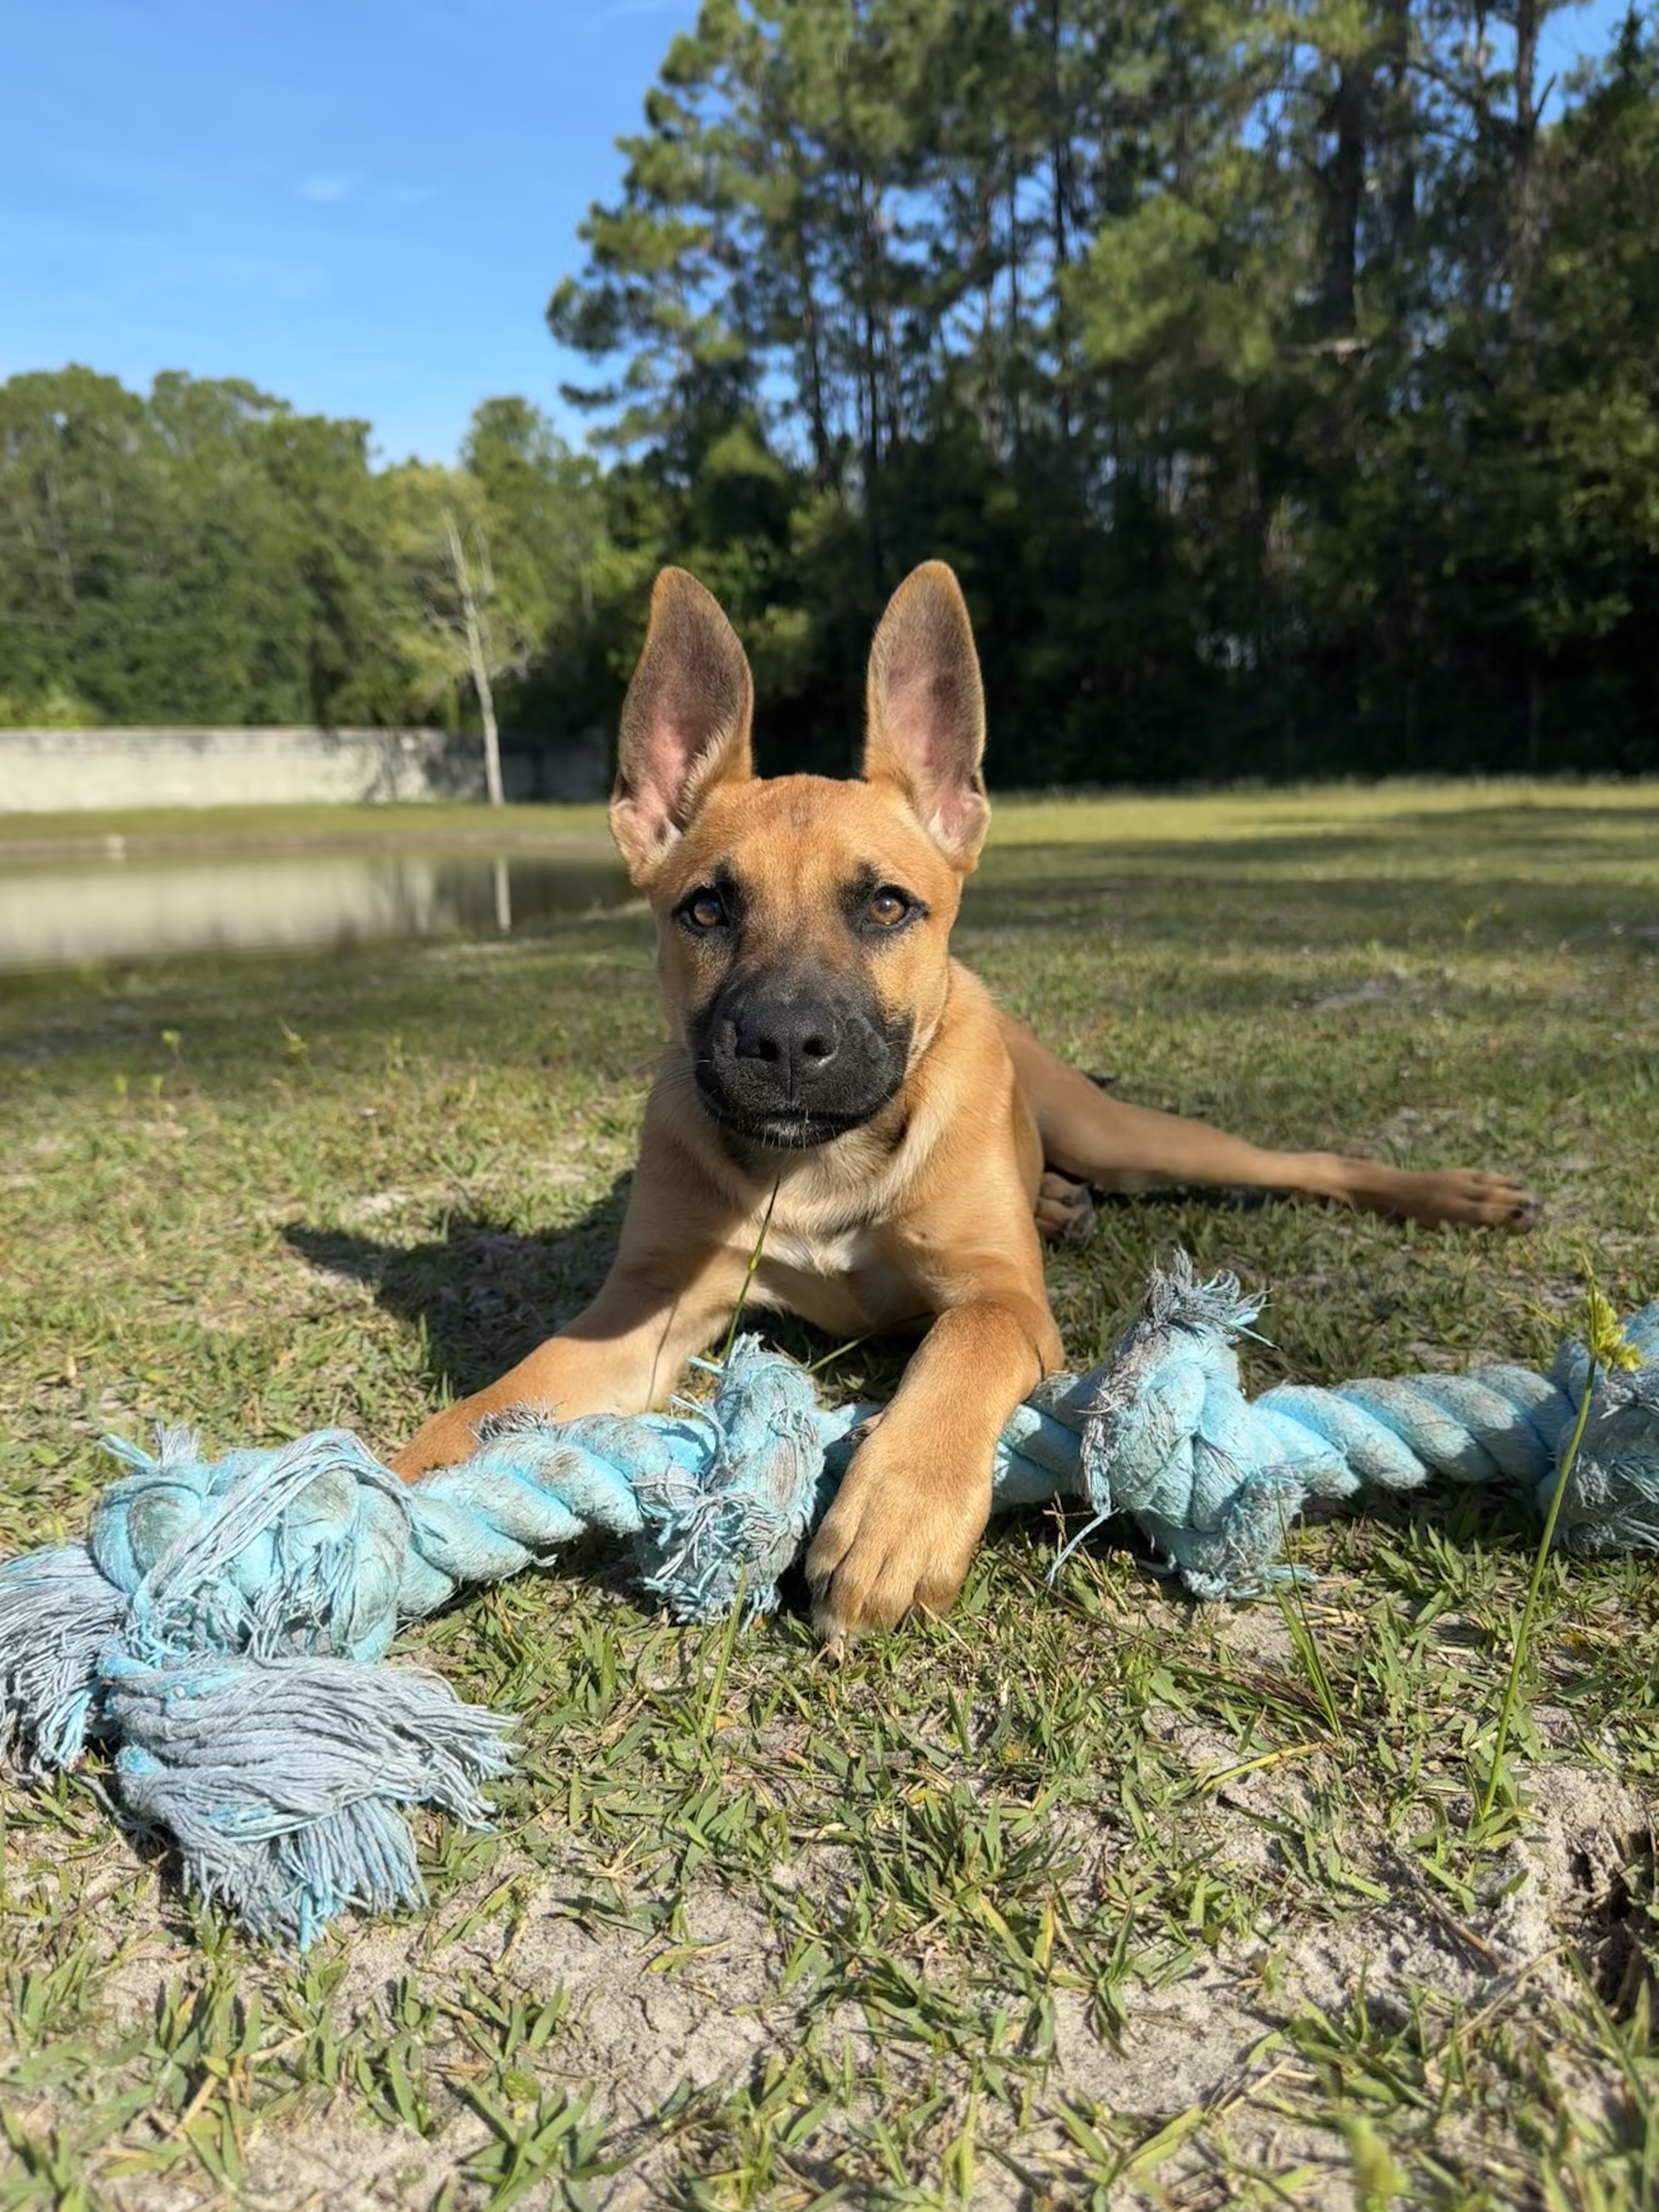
column 63, row 913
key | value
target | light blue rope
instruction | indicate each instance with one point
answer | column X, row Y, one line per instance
column 214, row 1629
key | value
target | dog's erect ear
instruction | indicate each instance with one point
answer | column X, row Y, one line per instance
column 685, row 723
column 926, row 730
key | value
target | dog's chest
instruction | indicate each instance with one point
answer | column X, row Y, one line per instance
column 833, row 1252
column 838, row 1278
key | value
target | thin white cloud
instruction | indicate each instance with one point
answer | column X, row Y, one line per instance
column 327, row 187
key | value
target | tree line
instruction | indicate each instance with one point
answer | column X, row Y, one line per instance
column 203, row 554
column 1282, row 380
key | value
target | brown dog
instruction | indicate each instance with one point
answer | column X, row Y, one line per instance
column 831, row 1063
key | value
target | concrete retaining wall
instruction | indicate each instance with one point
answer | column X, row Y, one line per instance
column 63, row 771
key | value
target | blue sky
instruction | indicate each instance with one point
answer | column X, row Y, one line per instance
column 361, row 207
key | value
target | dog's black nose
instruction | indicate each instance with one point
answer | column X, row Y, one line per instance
column 799, row 1041
column 791, row 1061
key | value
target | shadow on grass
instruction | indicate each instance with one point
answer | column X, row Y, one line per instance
column 482, row 1295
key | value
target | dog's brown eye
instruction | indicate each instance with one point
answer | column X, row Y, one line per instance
column 887, row 909
column 704, row 910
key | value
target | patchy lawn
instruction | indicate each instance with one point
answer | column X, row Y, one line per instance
column 1084, row 1895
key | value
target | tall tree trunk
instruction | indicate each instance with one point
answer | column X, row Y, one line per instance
column 812, row 332
column 1016, row 360
column 817, row 415
column 1060, row 166
column 1402, row 131
column 891, row 385
column 985, row 225
column 1343, row 179
column 477, row 661
column 1523, row 207
column 870, row 378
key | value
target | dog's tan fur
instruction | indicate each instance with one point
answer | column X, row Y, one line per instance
column 926, row 1215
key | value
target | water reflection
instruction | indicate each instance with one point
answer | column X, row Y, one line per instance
column 55, row 915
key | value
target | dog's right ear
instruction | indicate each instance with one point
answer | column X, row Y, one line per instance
column 686, row 721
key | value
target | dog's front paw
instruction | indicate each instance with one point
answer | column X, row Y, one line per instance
column 899, row 1536
column 444, row 1441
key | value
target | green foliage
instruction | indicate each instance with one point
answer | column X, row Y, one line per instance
column 1283, row 386
column 206, row 555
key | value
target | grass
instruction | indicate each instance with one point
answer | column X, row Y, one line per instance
column 1080, row 1896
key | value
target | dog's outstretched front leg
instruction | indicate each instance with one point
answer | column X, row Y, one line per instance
column 623, row 1354
column 918, row 1493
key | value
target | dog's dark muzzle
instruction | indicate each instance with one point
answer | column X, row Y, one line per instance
column 789, row 1063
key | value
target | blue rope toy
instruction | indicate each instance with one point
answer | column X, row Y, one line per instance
column 219, row 1628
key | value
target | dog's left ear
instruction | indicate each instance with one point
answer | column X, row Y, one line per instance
column 926, row 712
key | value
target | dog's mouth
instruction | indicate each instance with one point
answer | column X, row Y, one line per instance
column 787, row 1128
